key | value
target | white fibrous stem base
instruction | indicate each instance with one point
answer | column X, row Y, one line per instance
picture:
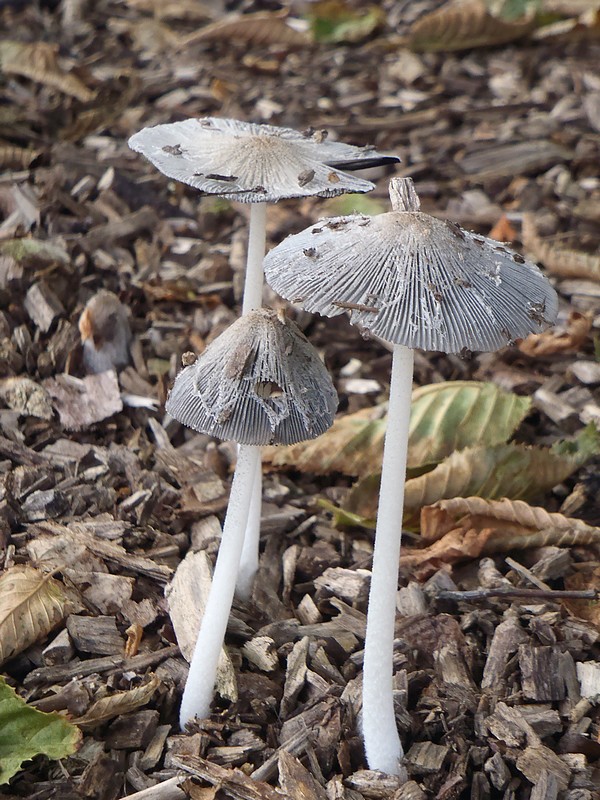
column 199, row 689
column 253, row 291
column 380, row 734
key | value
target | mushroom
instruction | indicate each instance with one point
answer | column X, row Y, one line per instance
column 105, row 333
column 254, row 164
column 260, row 382
column 417, row 282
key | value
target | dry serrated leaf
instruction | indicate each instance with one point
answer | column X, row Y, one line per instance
column 13, row 157
column 31, row 605
column 117, row 704
column 506, row 470
column 256, row 30
column 559, row 340
column 471, row 527
column 37, row 61
column 464, row 24
column 513, row 519
column 558, row 260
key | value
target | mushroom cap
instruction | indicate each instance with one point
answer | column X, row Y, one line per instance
column 414, row 280
column 105, row 333
column 260, row 382
column 254, row 163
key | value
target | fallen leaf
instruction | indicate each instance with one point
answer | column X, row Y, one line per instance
column 13, row 157
column 558, row 260
column 509, row 470
column 117, row 704
column 560, row 339
column 464, row 24
column 465, row 528
column 37, row 61
column 444, row 417
column 450, row 416
column 31, row 605
column 26, row 732
column 515, row 518
column 335, row 21
column 256, row 30
column 503, row 231
column 81, row 402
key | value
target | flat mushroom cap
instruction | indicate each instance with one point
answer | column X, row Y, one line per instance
column 254, row 163
column 260, row 382
column 414, row 280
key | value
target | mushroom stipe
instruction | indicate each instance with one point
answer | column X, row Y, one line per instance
column 414, row 281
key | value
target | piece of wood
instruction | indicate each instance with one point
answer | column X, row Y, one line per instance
column 426, row 758
column 541, row 677
column 43, row 306
column 96, row 635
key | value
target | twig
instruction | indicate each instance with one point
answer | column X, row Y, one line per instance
column 534, row 594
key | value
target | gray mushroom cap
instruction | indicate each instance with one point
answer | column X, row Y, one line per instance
column 414, row 280
column 254, row 163
column 260, row 382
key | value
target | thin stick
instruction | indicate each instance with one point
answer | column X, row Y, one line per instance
column 382, row 742
column 199, row 688
column 533, row 594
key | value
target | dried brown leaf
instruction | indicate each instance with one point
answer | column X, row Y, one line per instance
column 471, row 527
column 37, row 61
column 255, row 30
column 559, row 340
column 558, row 260
column 445, row 417
column 117, row 704
column 13, row 157
column 31, row 605
column 464, row 24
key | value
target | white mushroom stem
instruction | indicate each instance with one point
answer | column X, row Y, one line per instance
column 253, row 290
column 199, row 688
column 257, row 236
column 382, row 742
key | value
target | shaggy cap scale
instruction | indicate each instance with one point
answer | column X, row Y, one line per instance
column 260, row 382
column 254, row 163
column 413, row 280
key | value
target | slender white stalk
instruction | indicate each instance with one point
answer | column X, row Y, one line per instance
column 257, row 237
column 249, row 559
column 199, row 688
column 382, row 742
column 253, row 289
